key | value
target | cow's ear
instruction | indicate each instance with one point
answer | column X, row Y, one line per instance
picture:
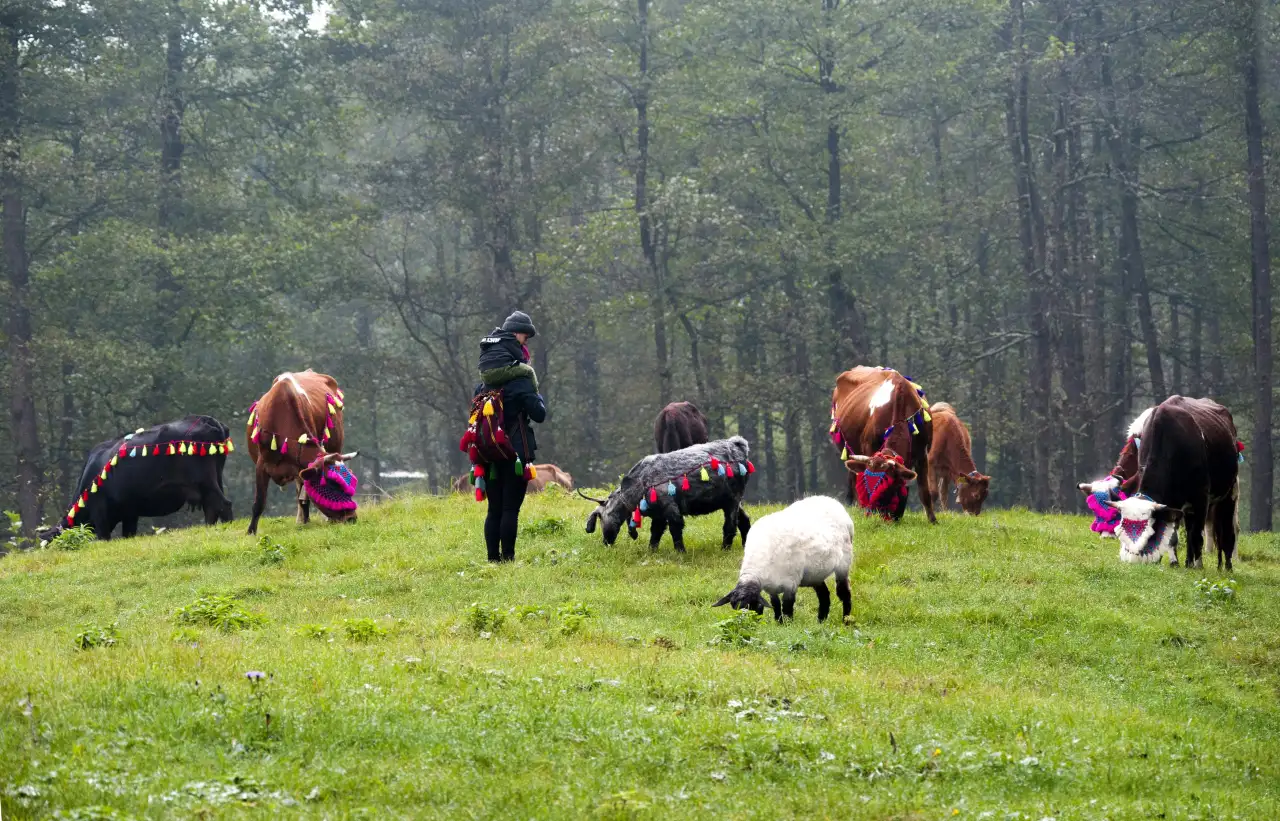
column 1086, row 488
column 724, row 600
column 592, row 519
column 857, row 464
column 980, row 479
column 906, row 474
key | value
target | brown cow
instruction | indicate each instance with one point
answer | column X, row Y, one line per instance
column 546, row 474
column 881, row 419
column 294, row 434
column 680, row 425
column 462, row 484
column 951, row 457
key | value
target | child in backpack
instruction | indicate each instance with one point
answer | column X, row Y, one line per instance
column 504, row 364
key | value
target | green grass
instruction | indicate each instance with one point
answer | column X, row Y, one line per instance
column 1003, row 667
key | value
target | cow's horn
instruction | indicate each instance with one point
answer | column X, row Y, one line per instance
column 353, row 454
column 589, row 499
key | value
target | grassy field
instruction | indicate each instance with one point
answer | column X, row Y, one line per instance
column 1003, row 667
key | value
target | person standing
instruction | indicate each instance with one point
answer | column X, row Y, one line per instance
column 504, row 363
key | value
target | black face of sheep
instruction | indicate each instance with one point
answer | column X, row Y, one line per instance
column 609, row 514
column 746, row 596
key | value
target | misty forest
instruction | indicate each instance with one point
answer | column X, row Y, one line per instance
column 1049, row 213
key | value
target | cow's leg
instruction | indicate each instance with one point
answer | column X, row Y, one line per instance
column 730, row 526
column 789, row 604
column 777, row 606
column 922, row 479
column 1195, row 520
column 744, row 523
column 260, row 482
column 845, row 593
column 659, row 526
column 304, row 504
column 1225, row 529
column 128, row 527
column 824, row 600
column 941, row 490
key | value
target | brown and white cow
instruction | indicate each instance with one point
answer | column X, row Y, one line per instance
column 295, row 434
column 1188, row 469
column 951, row 458
column 546, row 474
column 881, row 421
column 680, row 425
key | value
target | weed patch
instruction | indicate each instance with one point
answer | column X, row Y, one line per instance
column 363, row 630
column 484, row 619
column 73, row 538
column 739, row 630
column 91, row 636
column 223, row 613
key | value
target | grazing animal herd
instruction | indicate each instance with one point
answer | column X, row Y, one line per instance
column 1179, row 465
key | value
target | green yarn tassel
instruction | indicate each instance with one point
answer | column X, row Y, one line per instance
column 519, row 466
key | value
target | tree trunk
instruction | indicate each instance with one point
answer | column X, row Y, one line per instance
column 1196, row 354
column 172, row 145
column 648, row 233
column 1175, row 344
column 1031, row 234
column 589, row 424
column 1124, row 139
column 1262, row 473
column 22, row 406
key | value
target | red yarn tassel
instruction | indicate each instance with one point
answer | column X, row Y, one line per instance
column 750, row 468
column 715, row 463
column 478, row 471
column 122, row 452
column 653, row 495
column 728, row 470
column 684, row 483
column 479, row 495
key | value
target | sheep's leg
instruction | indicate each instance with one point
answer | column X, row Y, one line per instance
column 824, row 600
column 730, row 525
column 777, row 606
column 789, row 604
column 844, row 591
column 676, row 522
column 655, row 534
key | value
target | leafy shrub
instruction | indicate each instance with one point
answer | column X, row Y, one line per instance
column 224, row 613
column 546, row 527
column 739, row 630
column 73, row 538
column 528, row 612
column 362, row 630
column 91, row 636
column 484, row 619
column 271, row 552
column 572, row 615
column 1211, row 593
column 186, row 635
column 314, row 631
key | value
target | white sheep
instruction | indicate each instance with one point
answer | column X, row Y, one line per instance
column 801, row 545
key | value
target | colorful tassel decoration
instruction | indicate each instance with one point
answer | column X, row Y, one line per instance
column 120, row 453
column 479, row 495
column 326, row 432
column 284, row 448
column 478, row 471
column 720, row 471
column 729, row 471
column 644, row 505
column 671, row 488
column 93, row 488
column 704, row 476
column 532, row 472
column 480, row 483
column 684, row 483
column 303, row 439
column 750, row 468
column 653, row 494
column 519, row 466
column 742, row 469
column 115, row 460
column 104, row 474
column 273, row 441
column 156, row 452
column 927, row 417
column 256, row 435
column 715, row 463
column 172, row 449
column 844, row 454
column 230, row 446
column 488, row 407
column 134, row 452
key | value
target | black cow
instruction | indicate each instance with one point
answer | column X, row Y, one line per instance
column 153, row 472
column 1188, row 467
column 680, row 425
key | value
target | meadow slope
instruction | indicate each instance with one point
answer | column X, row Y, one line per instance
column 1002, row 667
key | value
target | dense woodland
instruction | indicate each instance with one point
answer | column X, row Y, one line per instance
column 1047, row 212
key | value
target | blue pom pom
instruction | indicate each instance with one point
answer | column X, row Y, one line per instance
column 644, row 505
column 742, row 469
column 671, row 488
column 480, row 483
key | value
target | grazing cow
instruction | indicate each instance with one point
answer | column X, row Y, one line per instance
column 1118, row 484
column 546, row 474
column 462, row 484
column 680, row 425
column 152, row 472
column 1188, row 460
column 295, row 435
column 667, row 487
column 951, row 457
column 881, row 420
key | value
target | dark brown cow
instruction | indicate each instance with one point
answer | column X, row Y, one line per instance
column 881, row 421
column 951, row 458
column 1189, row 469
column 462, row 484
column 680, row 425
column 294, row 433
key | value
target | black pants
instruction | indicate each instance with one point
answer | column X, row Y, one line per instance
column 506, row 492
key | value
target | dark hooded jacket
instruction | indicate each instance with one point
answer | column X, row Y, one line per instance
column 504, row 363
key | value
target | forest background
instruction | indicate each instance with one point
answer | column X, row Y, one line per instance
column 1050, row 214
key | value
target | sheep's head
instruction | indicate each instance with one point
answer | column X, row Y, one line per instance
column 1146, row 528
column 746, row 596
column 610, row 514
column 331, row 486
column 880, row 481
column 971, row 492
column 1098, row 496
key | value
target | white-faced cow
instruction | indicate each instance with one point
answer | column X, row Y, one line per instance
column 295, row 435
column 881, row 421
column 153, row 472
column 1188, row 469
column 680, row 425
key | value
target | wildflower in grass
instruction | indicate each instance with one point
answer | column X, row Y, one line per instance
column 255, row 675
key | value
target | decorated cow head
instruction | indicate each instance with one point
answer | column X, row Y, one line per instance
column 1146, row 529
column 880, row 482
column 971, row 491
column 331, row 485
column 1099, row 495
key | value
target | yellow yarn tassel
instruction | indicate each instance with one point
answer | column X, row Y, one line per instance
column 705, row 476
column 230, row 446
column 104, row 474
column 171, row 450
column 844, row 454
column 927, row 417
column 326, row 431
column 472, row 420
column 273, row 441
column 488, row 407
column 93, row 488
column 303, row 439
column 115, row 460
column 533, row 472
